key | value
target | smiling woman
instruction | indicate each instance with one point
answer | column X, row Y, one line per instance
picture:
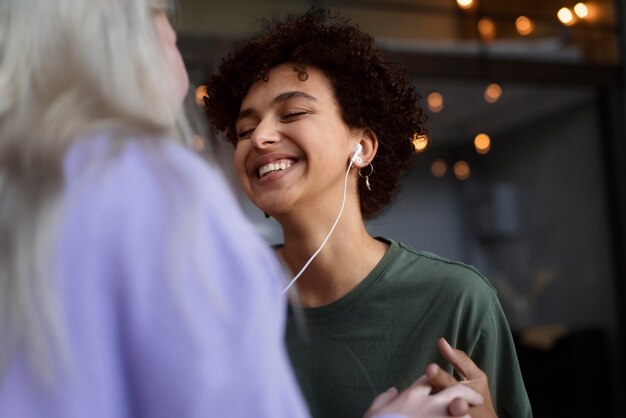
column 288, row 122
column 295, row 101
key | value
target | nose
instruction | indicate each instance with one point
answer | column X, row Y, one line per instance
column 265, row 135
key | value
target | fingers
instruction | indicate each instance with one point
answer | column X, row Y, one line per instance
column 462, row 392
column 417, row 402
column 464, row 365
column 438, row 378
column 421, row 386
column 458, row 407
column 384, row 398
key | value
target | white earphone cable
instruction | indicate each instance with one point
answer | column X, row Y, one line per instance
column 343, row 203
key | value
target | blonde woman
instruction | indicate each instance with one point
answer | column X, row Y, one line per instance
column 124, row 281
column 130, row 285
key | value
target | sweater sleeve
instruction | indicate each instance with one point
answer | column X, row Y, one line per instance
column 172, row 301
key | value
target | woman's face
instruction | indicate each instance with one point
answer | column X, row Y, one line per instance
column 293, row 147
column 174, row 69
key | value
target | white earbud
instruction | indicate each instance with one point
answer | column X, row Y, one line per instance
column 356, row 155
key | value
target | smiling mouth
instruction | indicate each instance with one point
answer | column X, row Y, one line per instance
column 273, row 167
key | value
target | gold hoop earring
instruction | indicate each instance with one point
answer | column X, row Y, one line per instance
column 367, row 176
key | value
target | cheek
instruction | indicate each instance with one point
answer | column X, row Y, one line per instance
column 174, row 69
column 239, row 162
column 178, row 75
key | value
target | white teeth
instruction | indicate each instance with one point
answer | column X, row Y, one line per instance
column 275, row 166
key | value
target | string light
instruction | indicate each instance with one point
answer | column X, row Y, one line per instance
column 524, row 26
column 581, row 10
column 464, row 4
column 199, row 142
column 439, row 168
column 200, row 95
column 487, row 28
column 435, row 102
column 482, row 143
column 565, row 16
column 461, row 170
column 493, row 93
column 420, row 142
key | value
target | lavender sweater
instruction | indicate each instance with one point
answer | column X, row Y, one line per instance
column 171, row 303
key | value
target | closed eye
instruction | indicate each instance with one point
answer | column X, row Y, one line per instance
column 289, row 117
column 245, row 134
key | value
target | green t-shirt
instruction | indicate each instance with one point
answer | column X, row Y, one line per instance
column 384, row 333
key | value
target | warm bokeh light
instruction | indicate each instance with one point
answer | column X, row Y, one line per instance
column 464, row 4
column 482, row 143
column 199, row 142
column 461, row 170
column 420, row 142
column 493, row 93
column 565, row 16
column 487, row 28
column 524, row 25
column 200, row 95
column 581, row 10
column 439, row 168
column 435, row 102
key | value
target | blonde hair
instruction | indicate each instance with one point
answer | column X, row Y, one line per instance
column 67, row 68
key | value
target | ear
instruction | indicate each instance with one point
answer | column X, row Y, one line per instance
column 369, row 142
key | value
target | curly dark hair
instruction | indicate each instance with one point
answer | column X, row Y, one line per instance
column 371, row 91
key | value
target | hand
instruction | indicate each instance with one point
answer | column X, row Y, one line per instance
column 472, row 376
column 417, row 402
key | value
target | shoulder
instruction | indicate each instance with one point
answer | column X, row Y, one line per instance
column 151, row 205
column 134, row 163
column 135, row 196
column 147, row 208
column 141, row 179
column 429, row 271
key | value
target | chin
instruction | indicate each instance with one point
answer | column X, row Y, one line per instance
column 274, row 208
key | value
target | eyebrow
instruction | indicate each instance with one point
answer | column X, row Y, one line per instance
column 283, row 97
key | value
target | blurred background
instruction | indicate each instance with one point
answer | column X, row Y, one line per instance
column 524, row 171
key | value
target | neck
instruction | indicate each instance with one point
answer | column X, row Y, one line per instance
column 348, row 257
